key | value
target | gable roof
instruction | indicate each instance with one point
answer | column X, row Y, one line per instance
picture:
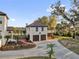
column 3, row 14
column 36, row 24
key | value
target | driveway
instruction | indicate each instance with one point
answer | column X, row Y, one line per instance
column 60, row 51
column 40, row 50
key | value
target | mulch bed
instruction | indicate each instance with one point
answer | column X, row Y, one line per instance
column 17, row 47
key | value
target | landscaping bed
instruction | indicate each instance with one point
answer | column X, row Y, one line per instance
column 17, row 46
column 71, row 44
column 38, row 57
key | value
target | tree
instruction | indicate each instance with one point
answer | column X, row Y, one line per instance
column 7, row 37
column 58, row 29
column 49, row 21
column 51, row 51
column 43, row 20
column 72, row 17
column 63, row 28
column 52, row 22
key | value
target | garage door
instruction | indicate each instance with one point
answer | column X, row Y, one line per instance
column 35, row 37
column 43, row 37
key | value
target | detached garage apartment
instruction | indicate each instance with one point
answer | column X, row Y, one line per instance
column 36, row 31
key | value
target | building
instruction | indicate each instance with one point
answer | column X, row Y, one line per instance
column 3, row 26
column 36, row 31
column 16, row 31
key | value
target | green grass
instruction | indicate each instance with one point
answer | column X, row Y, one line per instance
column 71, row 44
column 38, row 57
column 61, row 37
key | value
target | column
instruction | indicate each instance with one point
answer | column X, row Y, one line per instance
column 31, row 37
column 12, row 34
column 39, row 36
column 46, row 36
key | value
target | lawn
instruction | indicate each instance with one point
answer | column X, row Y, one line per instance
column 38, row 57
column 71, row 44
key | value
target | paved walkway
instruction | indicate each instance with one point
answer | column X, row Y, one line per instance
column 60, row 52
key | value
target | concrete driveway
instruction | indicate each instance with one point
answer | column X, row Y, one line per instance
column 60, row 51
column 40, row 50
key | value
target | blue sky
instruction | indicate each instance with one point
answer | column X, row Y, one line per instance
column 21, row 12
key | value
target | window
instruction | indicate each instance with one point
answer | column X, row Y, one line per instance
column 0, row 20
column 42, row 29
column 36, row 28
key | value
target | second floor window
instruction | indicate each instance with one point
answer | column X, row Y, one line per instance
column 36, row 28
column 42, row 29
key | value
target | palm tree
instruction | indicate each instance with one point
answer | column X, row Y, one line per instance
column 51, row 51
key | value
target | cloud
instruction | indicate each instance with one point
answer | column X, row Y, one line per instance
column 12, row 19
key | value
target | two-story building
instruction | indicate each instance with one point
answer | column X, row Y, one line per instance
column 36, row 31
column 3, row 27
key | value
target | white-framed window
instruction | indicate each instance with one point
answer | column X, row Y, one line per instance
column 36, row 28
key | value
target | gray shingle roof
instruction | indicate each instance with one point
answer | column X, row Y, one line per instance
column 36, row 24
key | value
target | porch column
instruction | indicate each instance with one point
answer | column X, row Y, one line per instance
column 46, row 36
column 12, row 34
column 39, row 36
column 31, row 37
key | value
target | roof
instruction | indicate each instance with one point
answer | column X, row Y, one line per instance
column 3, row 14
column 36, row 24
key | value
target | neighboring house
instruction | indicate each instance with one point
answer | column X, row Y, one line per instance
column 16, row 31
column 3, row 26
column 36, row 31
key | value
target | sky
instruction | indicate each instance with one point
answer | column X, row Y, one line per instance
column 21, row 12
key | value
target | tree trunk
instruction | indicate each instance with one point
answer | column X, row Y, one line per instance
column 74, row 33
column 7, row 41
column 50, row 56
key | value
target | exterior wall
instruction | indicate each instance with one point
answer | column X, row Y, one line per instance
column 0, row 43
column 32, row 31
column 3, row 29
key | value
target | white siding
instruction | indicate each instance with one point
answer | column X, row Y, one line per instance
column 4, row 27
column 33, row 31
